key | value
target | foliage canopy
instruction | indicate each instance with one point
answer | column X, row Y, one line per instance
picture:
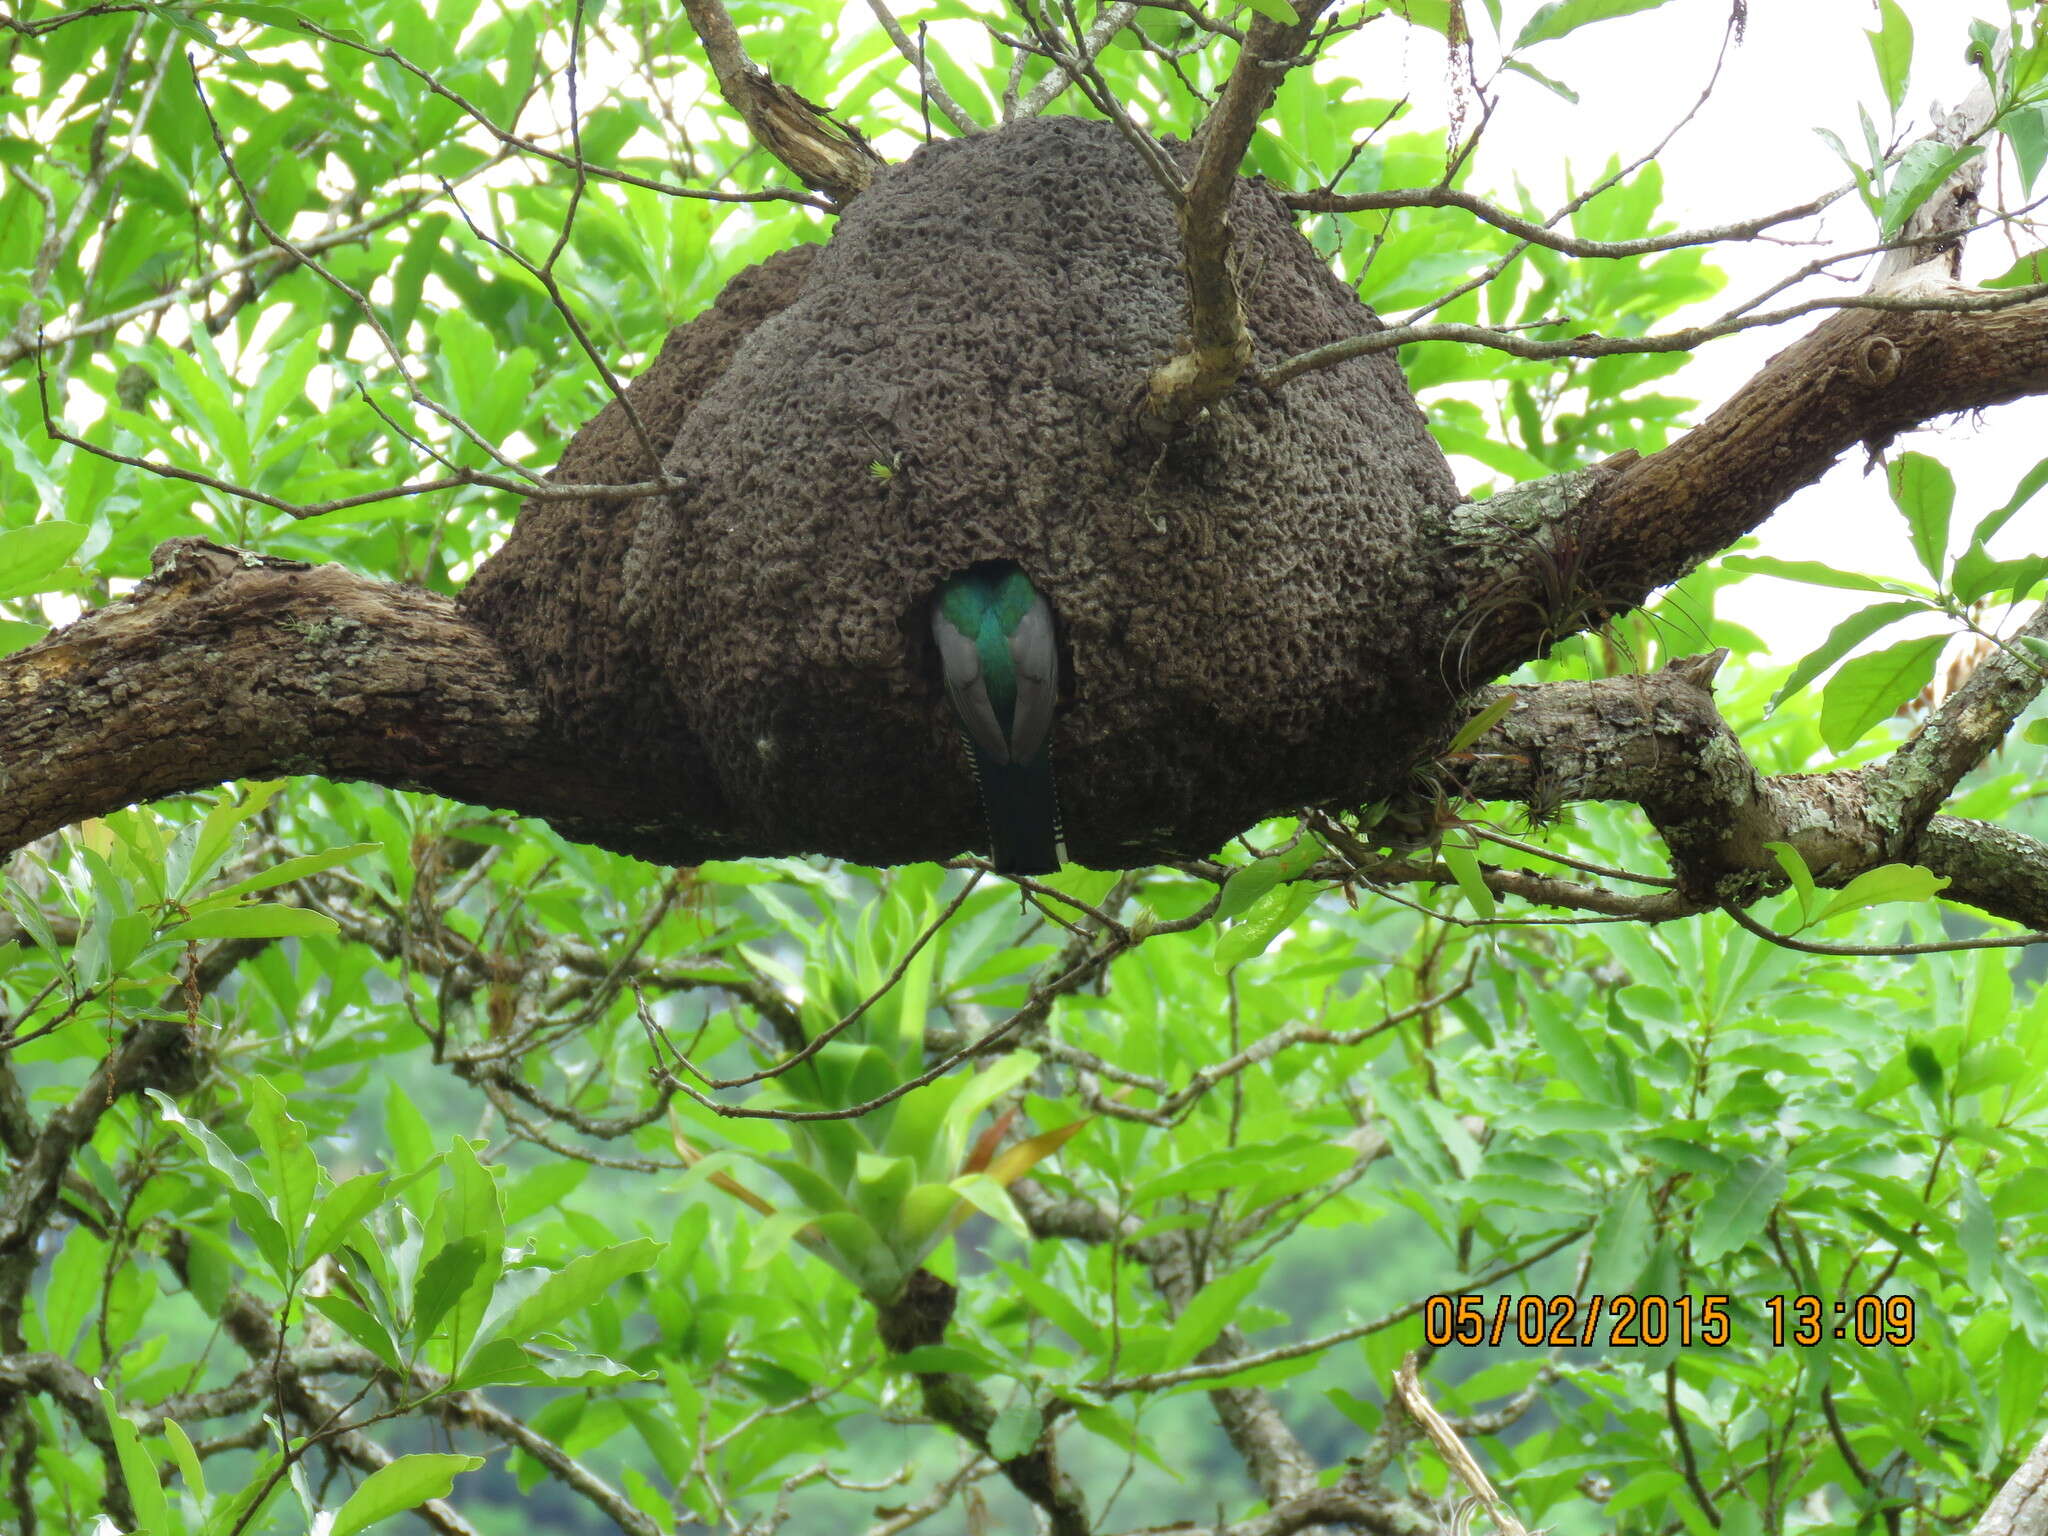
column 362, row 1153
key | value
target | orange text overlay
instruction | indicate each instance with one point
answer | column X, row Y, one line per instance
column 1650, row 1322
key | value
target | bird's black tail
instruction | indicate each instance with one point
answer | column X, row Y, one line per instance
column 1023, row 810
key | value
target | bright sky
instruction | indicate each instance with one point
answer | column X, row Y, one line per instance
column 1750, row 150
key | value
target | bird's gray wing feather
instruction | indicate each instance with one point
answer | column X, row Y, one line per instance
column 967, row 689
column 1036, row 657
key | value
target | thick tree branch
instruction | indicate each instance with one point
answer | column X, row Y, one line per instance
column 2021, row 1507
column 1967, row 728
column 824, row 155
column 226, row 665
column 1615, row 534
column 1218, row 347
column 1659, row 742
column 1861, row 377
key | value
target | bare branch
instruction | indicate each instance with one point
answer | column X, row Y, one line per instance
column 459, row 478
column 1155, row 1381
column 544, row 274
column 928, row 79
column 540, row 151
column 14, row 23
column 17, row 347
column 1545, row 234
column 1408, row 1392
column 1959, row 301
column 361, row 300
column 1114, row 19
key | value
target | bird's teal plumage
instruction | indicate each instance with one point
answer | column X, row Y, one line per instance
column 996, row 643
column 988, row 612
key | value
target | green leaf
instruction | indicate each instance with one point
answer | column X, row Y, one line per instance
column 1891, row 46
column 576, row 1285
column 295, row 869
column 2022, row 493
column 470, row 1209
column 1517, row 463
column 265, row 1230
column 991, row 1199
column 138, row 1471
column 1558, row 1031
column 1924, row 490
column 30, row 556
column 775, row 1233
column 294, row 1172
column 934, row 1358
column 361, row 1326
column 1736, row 1211
column 1815, row 574
column 1464, row 867
column 1248, row 884
column 1864, row 187
column 1563, row 16
column 229, row 1169
column 1621, row 1242
column 1977, row 1236
column 1055, row 1305
column 1269, row 917
column 442, row 1283
column 1871, row 688
column 2029, row 269
column 1841, row 640
column 1205, row 1316
column 1549, row 84
column 187, row 1458
column 1920, row 174
column 1886, row 883
column 2027, row 131
column 1975, row 573
column 1688, row 1156
column 1016, row 1428
column 258, row 920
column 404, row 1484
column 19, row 634
column 1790, row 860
column 1276, row 10
column 346, row 1204
column 1481, row 723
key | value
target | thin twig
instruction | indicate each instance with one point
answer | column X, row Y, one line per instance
column 1593, row 344
column 928, row 80
column 541, row 151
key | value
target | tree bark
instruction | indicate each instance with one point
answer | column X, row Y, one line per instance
column 228, row 665
column 1860, row 377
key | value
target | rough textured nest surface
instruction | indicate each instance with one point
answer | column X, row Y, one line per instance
column 1238, row 614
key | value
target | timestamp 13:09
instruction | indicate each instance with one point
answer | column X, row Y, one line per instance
column 1649, row 1322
